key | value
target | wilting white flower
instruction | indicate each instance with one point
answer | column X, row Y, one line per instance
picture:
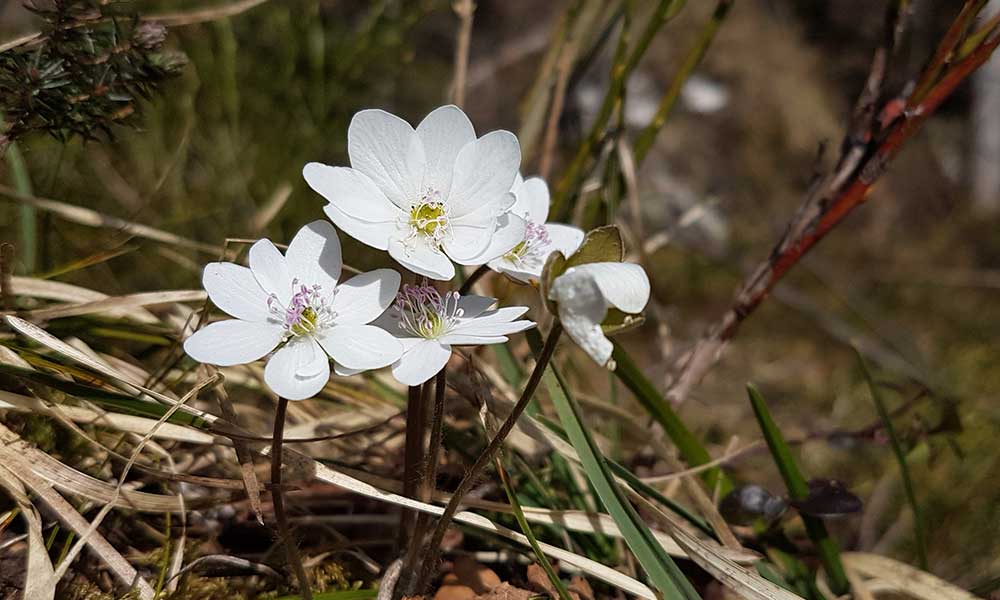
column 429, row 324
column 524, row 261
column 585, row 292
column 425, row 195
column 296, row 302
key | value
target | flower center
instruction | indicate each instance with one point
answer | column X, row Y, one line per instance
column 423, row 312
column 307, row 311
column 428, row 218
column 532, row 249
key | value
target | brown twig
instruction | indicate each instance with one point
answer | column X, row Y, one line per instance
column 485, row 458
column 412, row 456
column 6, row 273
column 278, row 499
column 829, row 201
column 465, row 9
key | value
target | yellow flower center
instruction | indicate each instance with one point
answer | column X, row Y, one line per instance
column 429, row 218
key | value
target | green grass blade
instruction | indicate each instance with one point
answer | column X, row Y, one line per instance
column 664, row 574
column 522, row 522
column 904, row 469
column 28, row 251
column 646, row 393
column 798, row 489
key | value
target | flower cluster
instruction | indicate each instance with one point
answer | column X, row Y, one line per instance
column 432, row 197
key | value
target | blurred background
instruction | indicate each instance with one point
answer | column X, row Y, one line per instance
column 912, row 278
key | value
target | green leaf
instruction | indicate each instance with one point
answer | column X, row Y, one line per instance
column 904, row 469
column 616, row 322
column 687, row 443
column 603, row 244
column 664, row 574
column 343, row 595
column 798, row 489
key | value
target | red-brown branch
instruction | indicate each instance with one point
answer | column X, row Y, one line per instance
column 818, row 216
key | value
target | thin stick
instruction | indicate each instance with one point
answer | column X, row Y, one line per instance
column 563, row 70
column 465, row 9
column 278, row 499
column 471, row 281
column 472, row 475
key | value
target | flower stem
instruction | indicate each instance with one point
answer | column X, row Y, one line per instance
column 278, row 499
column 412, row 457
column 486, row 457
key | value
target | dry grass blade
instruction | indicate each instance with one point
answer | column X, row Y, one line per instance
column 65, row 292
column 92, row 218
column 118, row 304
column 125, row 573
column 902, row 578
column 71, row 481
column 595, row 569
column 266, row 214
column 43, row 337
column 38, row 582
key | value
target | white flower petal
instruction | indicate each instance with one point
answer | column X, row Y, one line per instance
column 443, row 132
column 624, row 285
column 271, row 270
column 533, row 199
column 386, row 149
column 299, row 370
column 494, row 329
column 352, row 192
column 466, row 242
column 509, row 233
column 508, row 268
column 313, row 256
column 583, row 295
column 364, row 297
column 492, row 317
column 421, row 362
column 361, row 346
column 343, row 371
column 473, row 305
column 518, row 181
column 235, row 290
column 484, row 170
column 233, row 342
column 420, row 257
column 463, row 339
column 565, row 238
column 375, row 235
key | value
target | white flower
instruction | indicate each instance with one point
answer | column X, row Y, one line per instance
column 584, row 294
column 425, row 195
column 428, row 325
column 524, row 261
column 295, row 301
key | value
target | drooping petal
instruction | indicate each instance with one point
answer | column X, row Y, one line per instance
column 361, row 346
column 386, row 149
column 583, row 295
column 421, row 257
column 443, row 132
column 564, row 238
column 375, row 235
column 234, row 290
column 421, row 362
column 472, row 305
column 484, row 170
column 533, row 195
column 233, row 342
column 624, row 285
column 314, row 257
column 364, row 297
column 299, row 370
column 508, row 268
column 495, row 329
column 504, row 314
column 271, row 270
column 352, row 192
column 509, row 233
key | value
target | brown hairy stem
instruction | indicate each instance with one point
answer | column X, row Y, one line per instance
column 278, row 499
column 486, row 457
